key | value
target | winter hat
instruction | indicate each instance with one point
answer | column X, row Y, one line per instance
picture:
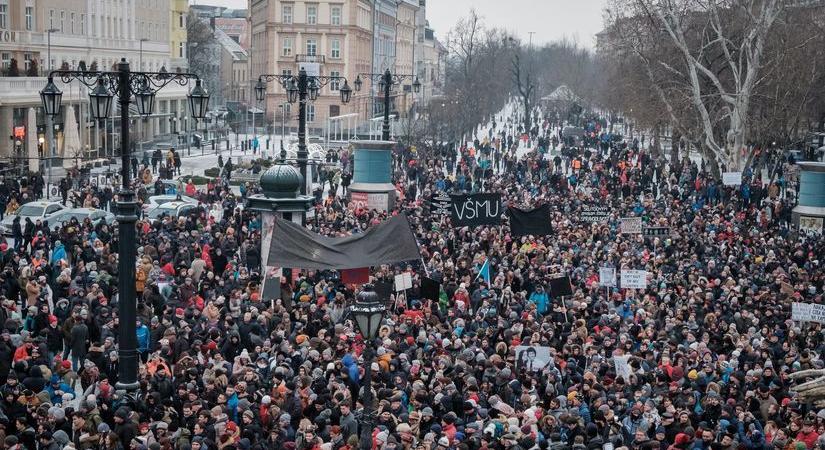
column 57, row 413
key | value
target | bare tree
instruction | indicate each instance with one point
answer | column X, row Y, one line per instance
column 713, row 58
column 525, row 82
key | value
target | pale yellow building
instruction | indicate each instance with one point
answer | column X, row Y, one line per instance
column 178, row 11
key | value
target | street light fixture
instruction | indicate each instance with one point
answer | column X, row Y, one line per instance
column 368, row 313
column 198, row 100
column 301, row 88
column 100, row 101
column 145, row 100
column 125, row 84
column 260, row 90
column 385, row 82
column 51, row 96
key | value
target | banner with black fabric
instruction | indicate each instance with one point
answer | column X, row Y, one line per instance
column 430, row 289
column 534, row 222
column 387, row 243
column 476, row 209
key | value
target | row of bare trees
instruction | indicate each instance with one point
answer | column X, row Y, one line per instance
column 486, row 66
column 727, row 75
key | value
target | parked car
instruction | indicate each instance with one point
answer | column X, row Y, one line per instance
column 156, row 200
column 42, row 210
column 81, row 214
column 171, row 209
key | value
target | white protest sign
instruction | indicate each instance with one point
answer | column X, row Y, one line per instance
column 403, row 281
column 607, row 276
column 622, row 366
column 634, row 279
column 532, row 358
column 631, row 225
column 808, row 312
column 732, row 178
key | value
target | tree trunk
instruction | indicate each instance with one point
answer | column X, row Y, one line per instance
column 527, row 115
column 655, row 146
column 675, row 143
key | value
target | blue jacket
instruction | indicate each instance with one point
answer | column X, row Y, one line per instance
column 142, row 338
column 58, row 399
column 541, row 301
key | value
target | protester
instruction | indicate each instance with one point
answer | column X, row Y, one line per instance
column 697, row 360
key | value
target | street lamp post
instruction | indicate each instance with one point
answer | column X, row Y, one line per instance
column 143, row 121
column 385, row 82
column 301, row 88
column 368, row 313
column 125, row 84
column 50, row 119
column 283, row 107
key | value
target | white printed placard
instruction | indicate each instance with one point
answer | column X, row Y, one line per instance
column 607, row 276
column 403, row 281
column 808, row 312
column 631, row 225
column 634, row 279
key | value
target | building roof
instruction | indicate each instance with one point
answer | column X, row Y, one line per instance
column 229, row 44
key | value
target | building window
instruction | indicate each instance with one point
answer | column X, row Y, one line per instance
column 181, row 50
column 71, row 22
column 312, row 47
column 6, row 59
column 335, row 82
column 29, row 18
column 62, row 21
column 335, row 15
column 4, row 14
column 286, row 13
column 83, row 24
column 335, row 48
column 182, row 21
column 312, row 14
column 27, row 60
column 286, row 73
column 310, row 112
column 286, row 48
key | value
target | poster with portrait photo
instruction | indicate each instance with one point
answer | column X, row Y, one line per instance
column 532, row 358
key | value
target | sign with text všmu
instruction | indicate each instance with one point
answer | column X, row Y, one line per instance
column 476, row 209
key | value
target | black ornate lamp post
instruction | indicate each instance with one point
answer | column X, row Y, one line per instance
column 140, row 88
column 368, row 313
column 301, row 88
column 385, row 82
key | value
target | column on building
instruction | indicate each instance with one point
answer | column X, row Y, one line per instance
column 7, row 127
column 132, row 20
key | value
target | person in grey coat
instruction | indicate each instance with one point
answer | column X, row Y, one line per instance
column 79, row 344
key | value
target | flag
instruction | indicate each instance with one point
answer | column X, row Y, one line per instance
column 360, row 275
column 484, row 272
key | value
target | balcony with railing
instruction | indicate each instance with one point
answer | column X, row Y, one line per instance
column 310, row 59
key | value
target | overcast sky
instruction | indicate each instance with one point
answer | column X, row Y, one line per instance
column 549, row 19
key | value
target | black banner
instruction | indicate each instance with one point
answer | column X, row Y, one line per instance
column 535, row 222
column 430, row 289
column 389, row 242
column 594, row 214
column 476, row 209
column 561, row 287
column 655, row 231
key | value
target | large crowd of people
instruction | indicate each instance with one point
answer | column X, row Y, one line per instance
column 698, row 360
